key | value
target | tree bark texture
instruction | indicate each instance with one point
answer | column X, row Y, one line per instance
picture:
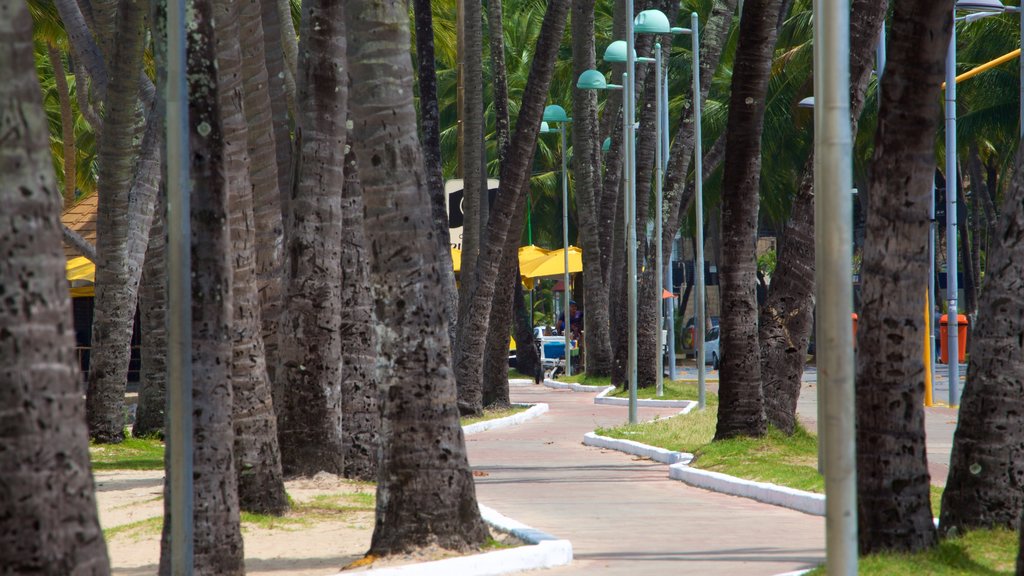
column 425, row 491
column 471, row 336
column 84, row 49
column 786, row 318
column 496, row 350
column 474, row 199
column 986, row 467
column 217, row 536
column 263, row 150
column 257, row 457
column 586, row 145
column 150, row 411
column 115, row 291
column 741, row 402
column 360, row 393
column 310, row 421
column 893, row 508
column 527, row 354
column 430, row 124
column 48, row 517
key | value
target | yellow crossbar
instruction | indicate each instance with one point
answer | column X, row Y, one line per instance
column 986, row 66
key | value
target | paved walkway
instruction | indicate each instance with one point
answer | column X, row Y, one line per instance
column 622, row 513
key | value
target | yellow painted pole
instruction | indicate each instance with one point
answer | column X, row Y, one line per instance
column 927, row 350
column 986, row 66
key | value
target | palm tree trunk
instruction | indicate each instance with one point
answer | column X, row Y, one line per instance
column 474, row 188
column 67, row 123
column 967, row 248
column 418, row 391
column 310, row 420
column 527, row 356
column 264, row 149
column 741, row 403
column 257, row 458
column 786, row 318
column 893, row 509
column 470, row 340
column 982, row 489
column 115, row 292
column 217, row 536
column 495, row 371
column 48, row 517
column 84, row 49
column 150, row 411
column 586, row 174
column 430, row 124
column 360, row 392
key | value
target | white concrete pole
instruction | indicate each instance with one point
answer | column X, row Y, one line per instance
column 661, row 110
column 833, row 213
column 566, row 296
column 629, row 110
column 179, row 296
column 952, row 338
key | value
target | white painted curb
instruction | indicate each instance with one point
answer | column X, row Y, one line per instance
column 637, row 449
column 572, row 386
column 795, row 572
column 518, row 382
column 518, row 418
column 603, row 398
column 545, row 551
column 800, row 500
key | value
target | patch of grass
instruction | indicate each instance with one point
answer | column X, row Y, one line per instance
column 672, row 389
column 513, row 373
column 491, row 544
column 132, row 454
column 271, row 522
column 136, row 530
column 988, row 552
column 494, row 414
column 583, row 378
column 936, row 496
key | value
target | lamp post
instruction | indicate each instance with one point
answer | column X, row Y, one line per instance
column 556, row 114
column 979, row 9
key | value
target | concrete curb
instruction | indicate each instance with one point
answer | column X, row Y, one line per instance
column 519, row 382
column 603, row 398
column 795, row 572
column 544, row 551
column 799, row 500
column 572, row 386
column 637, row 449
column 513, row 420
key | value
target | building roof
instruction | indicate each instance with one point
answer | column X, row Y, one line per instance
column 81, row 218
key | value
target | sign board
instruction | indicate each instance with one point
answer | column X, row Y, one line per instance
column 453, row 190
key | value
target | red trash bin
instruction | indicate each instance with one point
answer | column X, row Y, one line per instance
column 961, row 338
column 854, row 317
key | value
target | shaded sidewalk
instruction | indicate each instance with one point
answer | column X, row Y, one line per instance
column 622, row 513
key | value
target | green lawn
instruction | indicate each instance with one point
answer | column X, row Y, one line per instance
column 132, row 454
column 672, row 390
column 513, row 373
column 582, row 378
column 987, row 552
column 493, row 414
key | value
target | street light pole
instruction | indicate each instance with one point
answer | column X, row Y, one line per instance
column 629, row 110
column 833, row 250
column 952, row 336
column 661, row 109
column 567, row 328
column 698, row 190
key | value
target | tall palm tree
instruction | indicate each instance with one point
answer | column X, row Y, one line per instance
column 420, row 426
column 470, row 342
column 360, row 390
column 474, row 186
column 741, row 407
column 893, row 509
column 982, row 489
column 257, row 458
column 67, row 121
column 48, row 516
column 310, row 419
column 115, row 291
column 430, row 124
column 217, row 535
column 786, row 318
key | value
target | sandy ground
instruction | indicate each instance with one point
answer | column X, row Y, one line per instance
column 313, row 548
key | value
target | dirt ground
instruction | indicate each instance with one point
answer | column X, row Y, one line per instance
column 133, row 501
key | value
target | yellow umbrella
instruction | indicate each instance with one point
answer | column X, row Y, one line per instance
column 456, row 259
column 554, row 264
column 531, row 253
column 81, row 268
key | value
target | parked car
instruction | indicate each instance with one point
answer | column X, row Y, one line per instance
column 687, row 334
column 712, row 354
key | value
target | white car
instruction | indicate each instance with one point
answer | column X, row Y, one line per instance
column 711, row 349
